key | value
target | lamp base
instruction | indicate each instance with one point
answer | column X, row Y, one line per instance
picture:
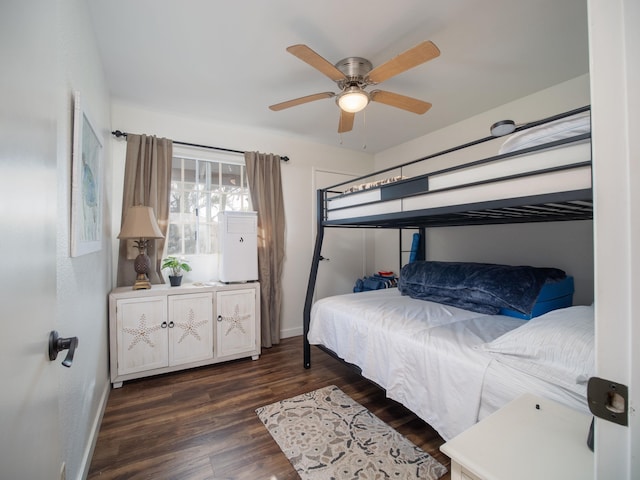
column 142, row 264
column 142, row 284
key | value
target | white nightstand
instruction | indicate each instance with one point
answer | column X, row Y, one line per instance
column 530, row 438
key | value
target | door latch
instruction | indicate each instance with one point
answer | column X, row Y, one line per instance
column 608, row 400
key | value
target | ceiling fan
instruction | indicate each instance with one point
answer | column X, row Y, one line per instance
column 354, row 74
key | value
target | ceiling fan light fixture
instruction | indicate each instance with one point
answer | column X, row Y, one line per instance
column 353, row 99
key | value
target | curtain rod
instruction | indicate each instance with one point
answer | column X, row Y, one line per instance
column 119, row 133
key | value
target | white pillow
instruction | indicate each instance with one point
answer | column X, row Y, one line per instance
column 557, row 346
column 548, row 132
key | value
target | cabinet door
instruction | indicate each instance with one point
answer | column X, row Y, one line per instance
column 141, row 334
column 235, row 322
column 190, row 328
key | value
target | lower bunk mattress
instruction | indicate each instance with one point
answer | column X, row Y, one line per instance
column 452, row 366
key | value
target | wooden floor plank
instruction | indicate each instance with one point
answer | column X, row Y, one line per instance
column 201, row 424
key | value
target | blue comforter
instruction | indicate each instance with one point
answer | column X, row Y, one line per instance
column 479, row 287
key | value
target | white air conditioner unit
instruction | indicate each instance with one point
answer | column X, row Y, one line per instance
column 238, row 247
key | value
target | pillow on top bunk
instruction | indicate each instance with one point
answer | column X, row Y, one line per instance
column 557, row 346
column 549, row 132
column 479, row 287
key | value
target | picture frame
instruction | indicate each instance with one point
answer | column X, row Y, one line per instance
column 86, row 183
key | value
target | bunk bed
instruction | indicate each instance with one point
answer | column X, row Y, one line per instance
column 446, row 363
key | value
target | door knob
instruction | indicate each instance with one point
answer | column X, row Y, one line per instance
column 58, row 344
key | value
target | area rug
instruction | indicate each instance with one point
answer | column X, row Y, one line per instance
column 327, row 435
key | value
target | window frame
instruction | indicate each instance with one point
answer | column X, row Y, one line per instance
column 200, row 157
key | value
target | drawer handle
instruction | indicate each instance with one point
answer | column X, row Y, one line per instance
column 171, row 324
column 163, row 324
column 219, row 318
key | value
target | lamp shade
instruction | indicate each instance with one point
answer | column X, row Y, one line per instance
column 353, row 99
column 140, row 222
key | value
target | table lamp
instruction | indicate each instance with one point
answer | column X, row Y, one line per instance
column 140, row 223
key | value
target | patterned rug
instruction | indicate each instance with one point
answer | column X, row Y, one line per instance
column 327, row 435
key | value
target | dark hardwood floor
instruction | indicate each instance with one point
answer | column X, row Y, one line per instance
column 201, row 423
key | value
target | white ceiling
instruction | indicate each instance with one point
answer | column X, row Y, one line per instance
column 226, row 60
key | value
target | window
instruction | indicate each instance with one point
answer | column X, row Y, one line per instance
column 201, row 188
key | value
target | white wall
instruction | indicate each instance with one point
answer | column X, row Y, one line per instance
column 82, row 282
column 559, row 98
column 296, row 183
column 566, row 245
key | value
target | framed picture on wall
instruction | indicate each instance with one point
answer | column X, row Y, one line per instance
column 86, row 183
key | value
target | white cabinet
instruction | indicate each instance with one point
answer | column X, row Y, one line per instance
column 141, row 330
column 530, row 438
column 190, row 328
column 236, row 323
column 165, row 329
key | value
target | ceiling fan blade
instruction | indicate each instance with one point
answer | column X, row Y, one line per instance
column 400, row 101
column 346, row 121
column 299, row 101
column 307, row 55
column 413, row 57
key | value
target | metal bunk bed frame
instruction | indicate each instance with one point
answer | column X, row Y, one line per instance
column 557, row 206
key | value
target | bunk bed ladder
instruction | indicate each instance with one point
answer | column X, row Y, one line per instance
column 313, row 275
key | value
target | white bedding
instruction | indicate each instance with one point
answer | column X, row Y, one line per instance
column 407, row 346
column 552, row 355
column 433, row 358
column 503, row 383
column 561, row 129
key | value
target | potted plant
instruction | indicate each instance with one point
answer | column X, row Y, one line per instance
column 177, row 266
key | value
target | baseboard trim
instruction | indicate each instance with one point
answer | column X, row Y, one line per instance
column 95, row 430
column 291, row 332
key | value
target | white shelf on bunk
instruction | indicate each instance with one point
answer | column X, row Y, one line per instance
column 529, row 439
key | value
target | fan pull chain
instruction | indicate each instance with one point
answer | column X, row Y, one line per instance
column 364, row 129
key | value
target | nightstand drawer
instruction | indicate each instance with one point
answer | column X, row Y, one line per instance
column 468, row 476
column 459, row 473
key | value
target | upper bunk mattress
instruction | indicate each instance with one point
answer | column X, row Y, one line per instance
column 558, row 169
